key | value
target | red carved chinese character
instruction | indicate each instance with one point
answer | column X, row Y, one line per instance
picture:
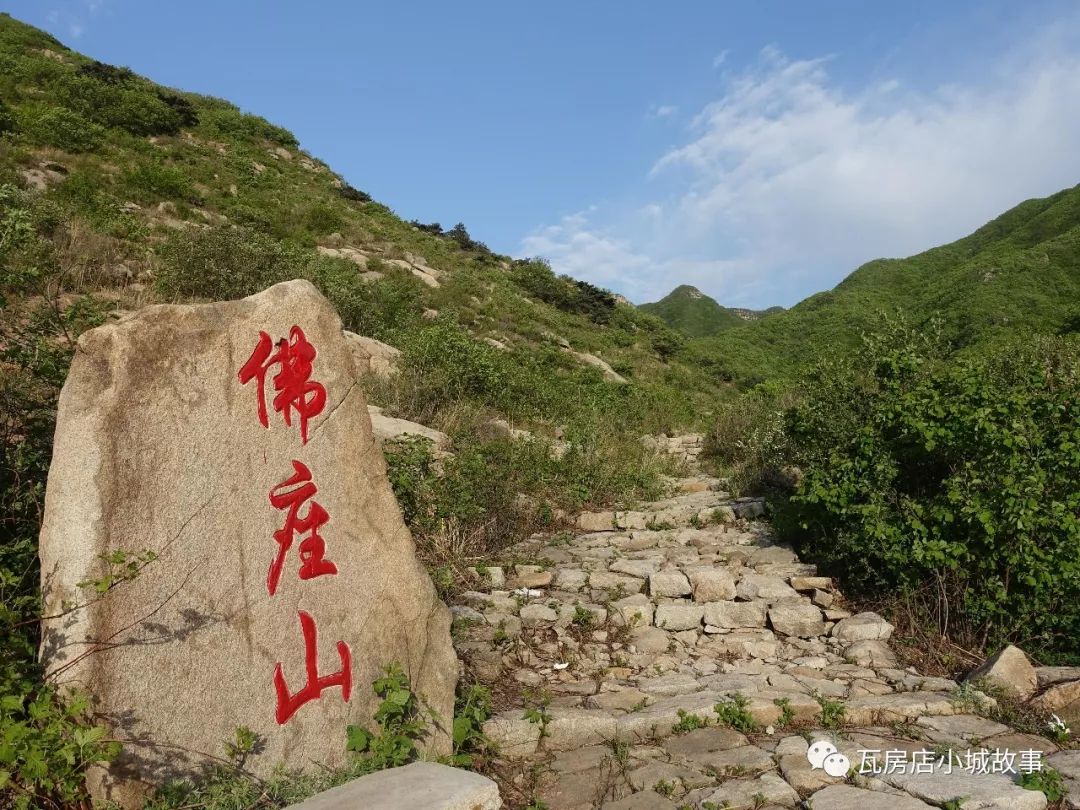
column 294, row 388
column 288, row 704
column 312, row 547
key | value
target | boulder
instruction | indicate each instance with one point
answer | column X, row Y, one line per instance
column 711, row 584
column 606, row 371
column 373, row 356
column 421, row 784
column 870, row 653
column 229, row 449
column 763, row 586
column 388, row 428
column 730, row 615
column 863, row 627
column 799, row 620
column 1009, row 668
column 596, row 521
column 678, row 617
column 669, row 583
column 1062, row 699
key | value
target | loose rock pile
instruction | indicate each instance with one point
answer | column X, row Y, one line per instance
column 664, row 658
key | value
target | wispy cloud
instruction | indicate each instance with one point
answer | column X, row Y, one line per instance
column 719, row 59
column 663, row 111
column 74, row 15
column 787, row 181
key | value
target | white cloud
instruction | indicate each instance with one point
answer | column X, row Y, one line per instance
column 788, row 181
column 663, row 111
column 719, row 59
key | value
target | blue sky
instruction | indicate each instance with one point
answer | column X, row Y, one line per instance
column 758, row 150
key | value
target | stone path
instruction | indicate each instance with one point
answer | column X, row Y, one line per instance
column 678, row 657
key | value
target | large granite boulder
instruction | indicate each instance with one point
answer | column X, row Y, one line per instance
column 232, row 441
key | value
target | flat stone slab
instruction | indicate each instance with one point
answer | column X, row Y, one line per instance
column 846, row 797
column 974, row 791
column 421, row 784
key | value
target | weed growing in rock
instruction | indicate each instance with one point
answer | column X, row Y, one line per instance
column 735, row 713
column 832, row 712
column 687, row 722
column 1047, row 780
column 787, row 713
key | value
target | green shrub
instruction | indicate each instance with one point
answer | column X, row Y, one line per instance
column 227, row 263
column 115, row 97
column 7, row 118
column 570, row 295
column 961, row 475
column 157, row 181
column 62, row 128
column 749, row 440
column 224, row 120
column 320, row 219
column 735, row 713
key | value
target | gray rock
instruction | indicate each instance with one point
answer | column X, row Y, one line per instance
column 711, row 584
column 762, row 586
column 635, row 611
column 535, row 615
column 678, row 617
column 743, row 794
column 420, row 784
column 974, row 790
column 512, row 734
column 646, row 800
column 863, row 627
column 1048, row 676
column 1010, row 669
column 642, row 569
column 962, row 726
column 802, row 621
column 846, row 797
column 669, row 583
column 670, row 683
column 573, row 728
column 624, row 700
column 870, row 653
column 732, row 615
column 650, row 639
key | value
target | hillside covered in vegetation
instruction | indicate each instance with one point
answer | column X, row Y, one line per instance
column 931, row 456
column 1019, row 274
column 689, row 310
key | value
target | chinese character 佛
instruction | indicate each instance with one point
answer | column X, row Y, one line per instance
column 291, row 494
column 287, row 704
column 294, row 390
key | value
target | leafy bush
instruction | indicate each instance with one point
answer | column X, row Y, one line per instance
column 62, row 128
column 116, row 97
column 7, row 119
column 224, row 120
column 460, row 235
column 580, row 297
column 354, row 194
column 749, row 440
column 152, row 181
column 222, row 264
column 321, row 219
column 961, row 475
